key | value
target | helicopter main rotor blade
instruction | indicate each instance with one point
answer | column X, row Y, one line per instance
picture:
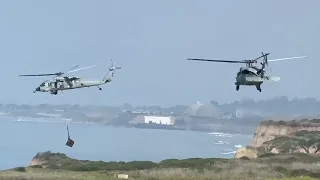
column 74, row 67
column 81, row 69
column 281, row 59
column 215, row 60
column 53, row 74
column 58, row 73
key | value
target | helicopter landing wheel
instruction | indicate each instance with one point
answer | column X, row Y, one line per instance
column 54, row 92
column 237, row 87
column 99, row 88
column 259, row 88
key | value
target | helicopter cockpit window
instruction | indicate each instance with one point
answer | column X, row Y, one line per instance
column 247, row 72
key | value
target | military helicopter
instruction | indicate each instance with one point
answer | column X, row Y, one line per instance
column 252, row 75
column 62, row 83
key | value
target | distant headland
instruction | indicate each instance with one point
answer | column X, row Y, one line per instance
column 237, row 117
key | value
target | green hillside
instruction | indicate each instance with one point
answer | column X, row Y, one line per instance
column 60, row 167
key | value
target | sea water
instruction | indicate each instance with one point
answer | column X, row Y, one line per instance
column 21, row 140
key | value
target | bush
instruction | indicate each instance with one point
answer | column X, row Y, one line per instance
column 281, row 170
column 244, row 158
column 295, row 178
column 20, row 169
column 36, row 166
column 108, row 166
column 266, row 155
column 193, row 163
column 315, row 120
column 304, row 172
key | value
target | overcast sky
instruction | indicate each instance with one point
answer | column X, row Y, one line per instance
column 151, row 40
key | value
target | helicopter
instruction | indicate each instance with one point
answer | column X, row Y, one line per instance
column 62, row 83
column 252, row 75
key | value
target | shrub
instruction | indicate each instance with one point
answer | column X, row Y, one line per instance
column 304, row 172
column 193, row 163
column 244, row 158
column 36, row 166
column 295, row 178
column 20, row 169
column 266, row 155
column 281, row 170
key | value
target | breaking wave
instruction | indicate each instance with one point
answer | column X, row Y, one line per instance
column 229, row 151
column 218, row 134
column 238, row 146
column 222, row 142
column 42, row 120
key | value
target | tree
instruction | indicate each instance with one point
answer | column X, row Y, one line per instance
column 306, row 144
column 214, row 103
column 315, row 142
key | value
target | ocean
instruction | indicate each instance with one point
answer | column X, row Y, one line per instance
column 22, row 140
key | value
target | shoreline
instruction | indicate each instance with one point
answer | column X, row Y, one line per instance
column 143, row 126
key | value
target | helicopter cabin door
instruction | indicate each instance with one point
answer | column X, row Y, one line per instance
column 53, row 84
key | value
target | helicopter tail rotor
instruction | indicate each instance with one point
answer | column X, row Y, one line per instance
column 112, row 68
column 264, row 63
column 109, row 76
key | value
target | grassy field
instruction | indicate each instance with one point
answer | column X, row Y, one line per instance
column 268, row 167
column 162, row 174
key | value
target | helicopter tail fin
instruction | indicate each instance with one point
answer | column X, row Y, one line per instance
column 264, row 64
column 109, row 76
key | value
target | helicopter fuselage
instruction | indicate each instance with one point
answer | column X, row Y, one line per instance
column 252, row 77
column 248, row 76
column 60, row 85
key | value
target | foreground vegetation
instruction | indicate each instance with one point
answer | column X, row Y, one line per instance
column 300, row 141
column 293, row 123
column 268, row 166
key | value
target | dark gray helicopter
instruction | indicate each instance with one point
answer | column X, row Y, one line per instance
column 252, row 75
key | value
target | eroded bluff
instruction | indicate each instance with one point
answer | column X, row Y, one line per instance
column 283, row 137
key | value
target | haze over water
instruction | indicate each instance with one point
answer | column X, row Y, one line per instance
column 20, row 141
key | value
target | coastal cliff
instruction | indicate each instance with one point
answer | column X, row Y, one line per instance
column 44, row 159
column 276, row 137
column 269, row 130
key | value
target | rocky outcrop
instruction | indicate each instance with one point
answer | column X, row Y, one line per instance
column 248, row 152
column 36, row 162
column 39, row 159
column 268, row 130
column 42, row 158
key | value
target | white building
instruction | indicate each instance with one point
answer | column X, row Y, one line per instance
column 152, row 119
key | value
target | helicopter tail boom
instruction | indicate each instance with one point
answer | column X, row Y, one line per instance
column 271, row 78
column 256, row 80
column 109, row 76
